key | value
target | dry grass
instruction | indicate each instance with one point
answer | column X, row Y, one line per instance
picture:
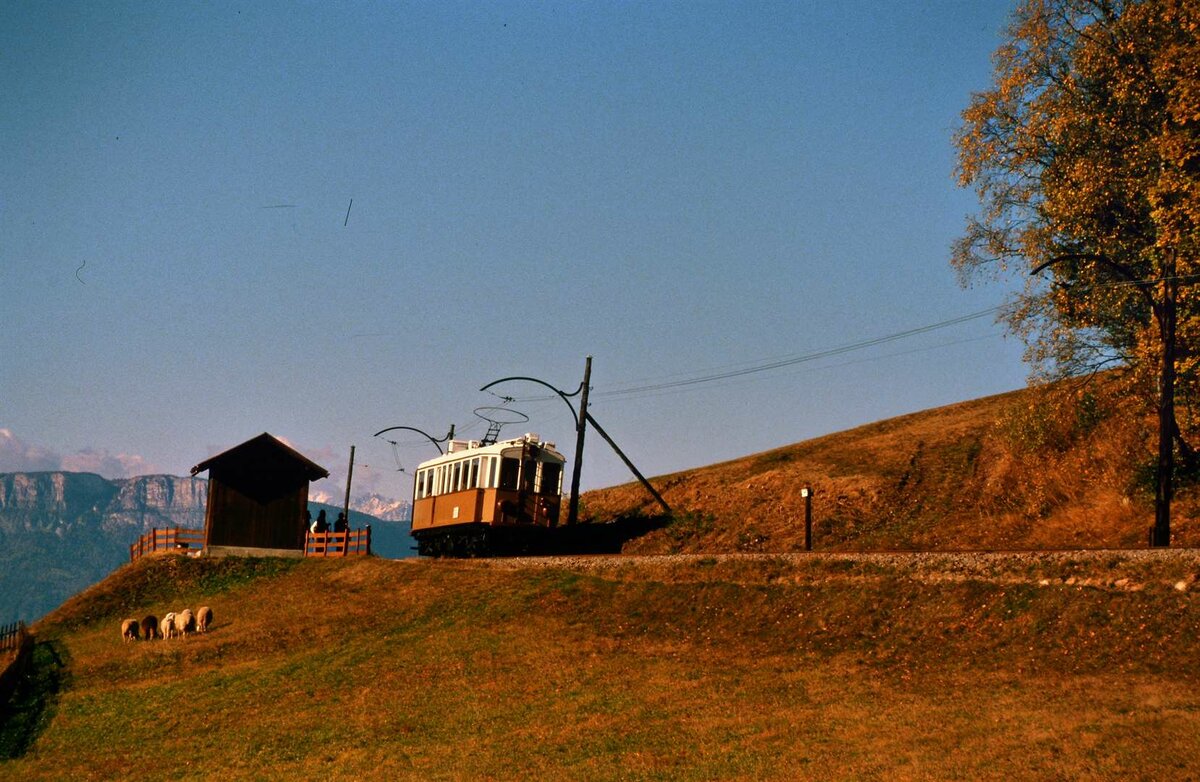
column 709, row 668
column 1042, row 468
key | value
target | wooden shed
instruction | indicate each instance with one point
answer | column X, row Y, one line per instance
column 257, row 495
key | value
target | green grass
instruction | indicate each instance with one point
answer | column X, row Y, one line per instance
column 698, row 669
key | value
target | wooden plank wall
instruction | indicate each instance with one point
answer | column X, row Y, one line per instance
column 236, row 519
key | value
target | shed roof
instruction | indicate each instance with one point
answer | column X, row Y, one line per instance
column 263, row 446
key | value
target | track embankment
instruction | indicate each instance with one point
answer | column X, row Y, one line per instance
column 1127, row 570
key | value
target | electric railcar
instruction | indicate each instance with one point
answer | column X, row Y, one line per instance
column 479, row 498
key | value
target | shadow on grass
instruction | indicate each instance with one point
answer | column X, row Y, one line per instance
column 530, row 540
column 35, row 699
column 606, row 538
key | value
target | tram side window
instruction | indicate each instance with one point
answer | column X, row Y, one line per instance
column 551, row 473
column 420, row 484
column 494, row 466
column 509, row 470
column 473, row 483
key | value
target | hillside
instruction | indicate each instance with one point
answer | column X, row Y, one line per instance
column 1051, row 666
column 1051, row 467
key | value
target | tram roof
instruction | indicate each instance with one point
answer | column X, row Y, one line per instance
column 467, row 449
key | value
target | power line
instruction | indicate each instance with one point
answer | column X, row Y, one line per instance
column 804, row 357
column 939, row 346
column 743, row 369
column 767, row 365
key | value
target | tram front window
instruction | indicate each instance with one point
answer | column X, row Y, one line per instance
column 509, row 469
column 550, row 476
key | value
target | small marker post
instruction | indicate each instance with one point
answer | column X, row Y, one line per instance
column 806, row 493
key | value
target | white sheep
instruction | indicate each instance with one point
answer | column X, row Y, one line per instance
column 185, row 622
column 167, row 627
column 204, row 617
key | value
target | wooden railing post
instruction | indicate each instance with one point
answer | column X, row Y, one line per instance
column 338, row 544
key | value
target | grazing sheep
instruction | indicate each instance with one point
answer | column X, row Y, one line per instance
column 185, row 622
column 129, row 630
column 203, row 619
column 150, row 627
column 167, row 626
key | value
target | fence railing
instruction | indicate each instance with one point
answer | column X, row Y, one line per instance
column 316, row 544
column 354, row 543
column 172, row 539
column 11, row 635
column 16, row 647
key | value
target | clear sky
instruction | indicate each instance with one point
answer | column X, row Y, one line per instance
column 675, row 188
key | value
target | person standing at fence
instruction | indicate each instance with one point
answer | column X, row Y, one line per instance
column 321, row 524
column 308, row 520
column 341, row 525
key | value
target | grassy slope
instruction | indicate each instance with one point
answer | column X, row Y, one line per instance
column 1010, row 471
column 700, row 669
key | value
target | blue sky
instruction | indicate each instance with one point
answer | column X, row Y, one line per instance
column 674, row 188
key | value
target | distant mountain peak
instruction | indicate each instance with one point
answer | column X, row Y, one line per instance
column 385, row 508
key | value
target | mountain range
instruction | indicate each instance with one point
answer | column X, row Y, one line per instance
column 62, row 531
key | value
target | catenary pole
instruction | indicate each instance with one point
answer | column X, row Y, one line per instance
column 581, row 420
column 580, row 432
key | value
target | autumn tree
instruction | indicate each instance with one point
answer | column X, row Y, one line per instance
column 1085, row 157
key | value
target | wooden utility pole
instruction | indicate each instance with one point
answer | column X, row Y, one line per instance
column 580, row 431
column 349, row 477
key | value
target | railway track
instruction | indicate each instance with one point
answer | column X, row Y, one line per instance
column 1129, row 569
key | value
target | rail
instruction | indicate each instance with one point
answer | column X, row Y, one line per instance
column 171, row 539
column 354, row 543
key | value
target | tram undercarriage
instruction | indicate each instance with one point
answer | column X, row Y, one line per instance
column 482, row 540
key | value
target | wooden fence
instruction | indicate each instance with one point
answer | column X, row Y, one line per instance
column 354, row 543
column 173, row 539
column 11, row 635
column 316, row 544
column 16, row 647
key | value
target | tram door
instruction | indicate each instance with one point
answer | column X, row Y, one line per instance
column 529, row 475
